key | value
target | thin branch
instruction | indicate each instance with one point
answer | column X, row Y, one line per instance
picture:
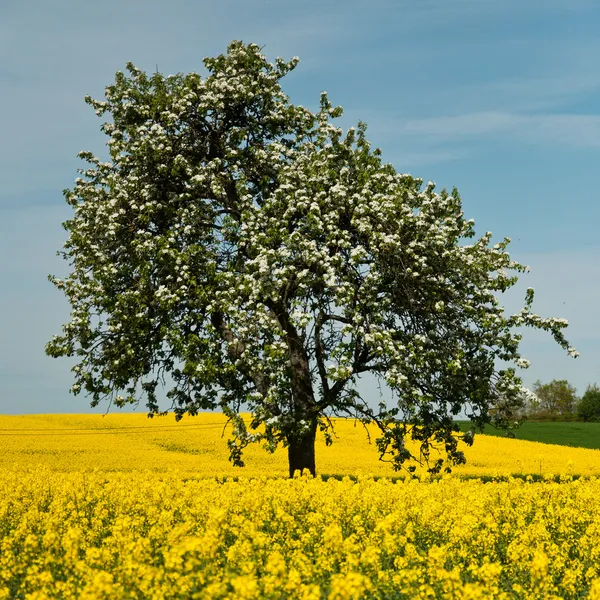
column 319, row 356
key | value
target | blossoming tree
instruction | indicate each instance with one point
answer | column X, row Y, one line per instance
column 264, row 260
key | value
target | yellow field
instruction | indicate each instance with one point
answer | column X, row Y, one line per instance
column 140, row 509
column 125, row 442
column 157, row 536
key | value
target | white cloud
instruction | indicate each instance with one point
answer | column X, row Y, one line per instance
column 544, row 92
column 571, row 130
column 430, row 140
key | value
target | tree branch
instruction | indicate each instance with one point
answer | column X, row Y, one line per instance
column 319, row 355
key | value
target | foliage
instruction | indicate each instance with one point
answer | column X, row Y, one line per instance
column 555, row 399
column 195, row 448
column 256, row 255
column 588, row 408
column 97, row 535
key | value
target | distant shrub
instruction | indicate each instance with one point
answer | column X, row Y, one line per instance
column 546, row 415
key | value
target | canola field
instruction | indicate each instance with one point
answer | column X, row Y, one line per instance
column 141, row 508
column 196, row 446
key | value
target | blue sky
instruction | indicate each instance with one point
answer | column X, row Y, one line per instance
column 496, row 97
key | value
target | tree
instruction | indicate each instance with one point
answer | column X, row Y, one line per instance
column 264, row 260
column 588, row 408
column 557, row 398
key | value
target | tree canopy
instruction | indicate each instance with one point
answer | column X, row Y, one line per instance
column 557, row 398
column 264, row 259
column 588, row 407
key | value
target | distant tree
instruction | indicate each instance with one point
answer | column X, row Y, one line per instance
column 556, row 399
column 588, row 408
column 264, row 261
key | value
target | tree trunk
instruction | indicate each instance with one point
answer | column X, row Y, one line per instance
column 301, row 451
column 301, row 447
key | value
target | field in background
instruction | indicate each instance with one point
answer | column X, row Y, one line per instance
column 568, row 433
column 195, row 446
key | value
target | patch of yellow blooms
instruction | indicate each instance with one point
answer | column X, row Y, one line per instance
column 121, row 514
column 197, row 446
column 147, row 535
